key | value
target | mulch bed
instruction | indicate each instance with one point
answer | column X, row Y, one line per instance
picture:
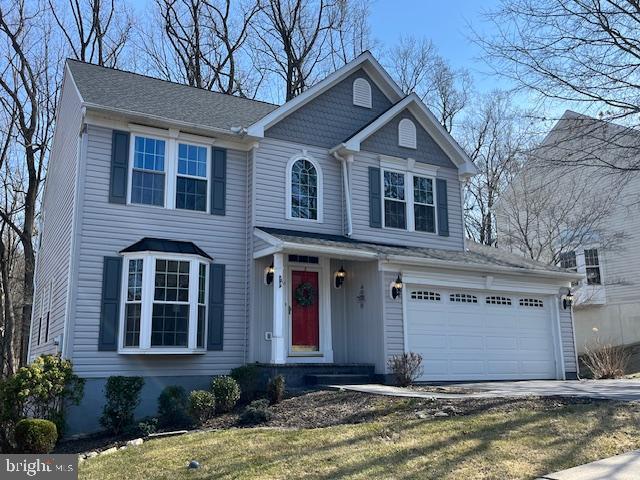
column 318, row 409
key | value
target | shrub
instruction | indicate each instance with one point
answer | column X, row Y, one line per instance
column 202, row 406
column 147, row 426
column 43, row 389
column 405, row 368
column 227, row 393
column 172, row 406
column 35, row 435
column 275, row 389
column 249, row 381
column 123, row 396
column 255, row 413
column 605, row 360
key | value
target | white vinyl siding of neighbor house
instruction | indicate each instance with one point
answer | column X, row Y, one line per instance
column 567, row 339
column 360, row 210
column 54, row 255
column 106, row 228
column 270, row 164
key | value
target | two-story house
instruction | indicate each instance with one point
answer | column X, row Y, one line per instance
column 606, row 201
column 188, row 232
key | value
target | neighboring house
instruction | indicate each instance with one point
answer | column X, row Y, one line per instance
column 188, row 232
column 607, row 298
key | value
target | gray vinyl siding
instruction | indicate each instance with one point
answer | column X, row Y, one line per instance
column 262, row 313
column 393, row 322
column 271, row 159
column 360, row 209
column 54, row 254
column 385, row 141
column 331, row 118
column 567, row 339
column 107, row 228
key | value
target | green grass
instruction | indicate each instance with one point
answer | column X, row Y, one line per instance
column 496, row 445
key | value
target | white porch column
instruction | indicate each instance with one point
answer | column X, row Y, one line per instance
column 278, row 346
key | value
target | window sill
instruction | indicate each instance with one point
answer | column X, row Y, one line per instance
column 162, row 351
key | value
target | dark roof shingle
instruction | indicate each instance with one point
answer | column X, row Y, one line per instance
column 148, row 244
column 119, row 90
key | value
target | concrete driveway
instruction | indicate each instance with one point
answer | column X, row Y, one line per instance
column 622, row 390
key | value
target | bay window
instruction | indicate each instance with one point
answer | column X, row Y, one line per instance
column 165, row 303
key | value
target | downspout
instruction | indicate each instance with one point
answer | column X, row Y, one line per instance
column 346, row 187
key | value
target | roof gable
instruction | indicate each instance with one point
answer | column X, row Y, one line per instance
column 365, row 61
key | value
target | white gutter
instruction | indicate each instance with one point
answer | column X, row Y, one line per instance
column 347, row 188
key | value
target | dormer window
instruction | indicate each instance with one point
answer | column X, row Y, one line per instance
column 407, row 133
column 361, row 93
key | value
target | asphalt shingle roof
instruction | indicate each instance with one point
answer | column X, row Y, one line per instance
column 148, row 244
column 474, row 254
column 116, row 89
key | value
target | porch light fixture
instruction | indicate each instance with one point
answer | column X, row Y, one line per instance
column 269, row 271
column 340, row 276
column 567, row 300
column 396, row 288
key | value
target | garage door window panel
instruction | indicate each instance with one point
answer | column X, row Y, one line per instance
column 495, row 300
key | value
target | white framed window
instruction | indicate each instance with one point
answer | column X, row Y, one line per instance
column 463, row 298
column 425, row 295
column 361, row 93
column 164, row 304
column 495, row 300
column 148, row 171
column 407, row 134
column 592, row 266
column 304, row 189
column 395, row 199
column 170, row 172
column 531, row 302
column 424, row 209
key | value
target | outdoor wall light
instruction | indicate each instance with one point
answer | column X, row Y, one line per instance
column 396, row 288
column 340, row 276
column 567, row 301
column 269, row 271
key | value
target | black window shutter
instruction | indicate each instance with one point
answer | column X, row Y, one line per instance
column 216, row 307
column 46, row 331
column 443, row 208
column 375, row 198
column 119, row 167
column 218, row 180
column 110, row 310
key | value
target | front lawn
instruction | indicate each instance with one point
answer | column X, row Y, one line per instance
column 499, row 439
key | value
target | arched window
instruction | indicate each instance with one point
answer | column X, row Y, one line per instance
column 407, row 133
column 304, row 192
column 361, row 93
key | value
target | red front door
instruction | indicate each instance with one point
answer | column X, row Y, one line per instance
column 305, row 312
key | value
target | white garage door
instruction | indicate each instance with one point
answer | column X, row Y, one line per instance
column 478, row 335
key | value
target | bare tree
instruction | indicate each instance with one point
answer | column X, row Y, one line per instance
column 351, row 32
column 29, row 83
column 582, row 51
column 292, row 40
column 95, row 31
column 202, row 44
column 417, row 67
column 495, row 136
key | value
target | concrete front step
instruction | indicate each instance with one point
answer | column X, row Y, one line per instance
column 338, row 379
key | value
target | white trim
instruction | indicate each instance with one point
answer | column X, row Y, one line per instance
column 147, row 300
column 361, row 92
column 408, row 165
column 278, row 348
column 304, row 155
column 366, row 60
column 407, row 134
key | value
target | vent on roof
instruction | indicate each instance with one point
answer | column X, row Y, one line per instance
column 361, row 93
column 406, row 133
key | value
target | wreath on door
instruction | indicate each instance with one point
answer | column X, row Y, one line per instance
column 305, row 294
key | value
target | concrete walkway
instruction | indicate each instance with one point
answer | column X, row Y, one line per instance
column 622, row 390
column 620, row 467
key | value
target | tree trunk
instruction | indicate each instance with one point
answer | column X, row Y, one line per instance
column 8, row 354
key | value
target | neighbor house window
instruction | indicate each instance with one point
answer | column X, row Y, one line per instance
column 191, row 182
column 165, row 303
column 423, row 204
column 148, row 176
column 592, row 265
column 395, row 214
column 304, row 192
column 568, row 261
